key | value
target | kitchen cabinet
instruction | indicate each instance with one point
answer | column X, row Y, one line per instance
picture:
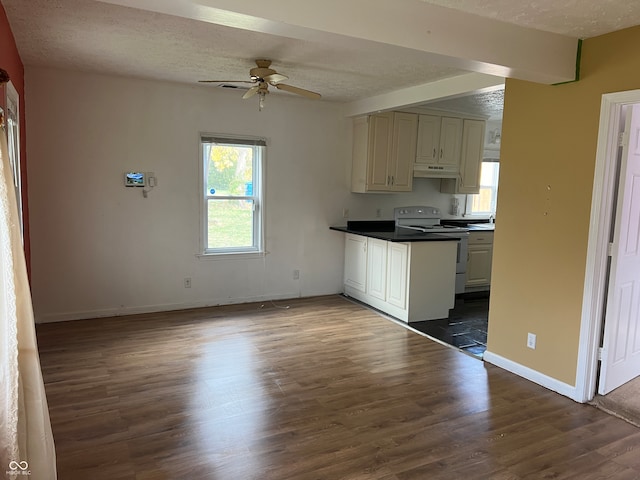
column 387, row 271
column 439, row 146
column 397, row 256
column 355, row 262
column 479, row 257
column 468, row 182
column 377, row 268
column 411, row 281
column 384, row 149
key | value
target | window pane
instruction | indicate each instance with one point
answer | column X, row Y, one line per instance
column 229, row 170
column 482, row 201
column 485, row 201
column 489, row 174
column 230, row 224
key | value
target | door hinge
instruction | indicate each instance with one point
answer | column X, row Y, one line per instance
column 621, row 139
column 610, row 249
column 600, row 353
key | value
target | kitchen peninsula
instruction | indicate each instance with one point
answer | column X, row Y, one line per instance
column 409, row 275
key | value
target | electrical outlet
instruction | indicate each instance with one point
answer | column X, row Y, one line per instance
column 345, row 213
column 296, row 274
column 531, row 340
column 187, row 282
column 378, row 212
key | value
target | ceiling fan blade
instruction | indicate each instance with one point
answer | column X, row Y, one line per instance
column 225, row 81
column 297, row 90
column 252, row 91
column 275, row 78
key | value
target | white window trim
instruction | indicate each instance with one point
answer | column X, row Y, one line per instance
column 469, row 201
column 228, row 254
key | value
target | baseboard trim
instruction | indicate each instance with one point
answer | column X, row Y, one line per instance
column 168, row 307
column 533, row 376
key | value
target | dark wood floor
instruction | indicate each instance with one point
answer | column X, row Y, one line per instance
column 323, row 390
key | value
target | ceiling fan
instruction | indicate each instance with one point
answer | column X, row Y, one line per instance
column 262, row 76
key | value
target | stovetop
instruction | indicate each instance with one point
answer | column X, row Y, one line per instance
column 423, row 219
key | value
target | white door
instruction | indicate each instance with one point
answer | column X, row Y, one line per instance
column 621, row 346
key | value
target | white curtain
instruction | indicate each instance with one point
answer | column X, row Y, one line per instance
column 26, row 442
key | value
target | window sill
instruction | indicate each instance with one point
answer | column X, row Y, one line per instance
column 230, row 256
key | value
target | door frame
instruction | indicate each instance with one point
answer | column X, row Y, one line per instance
column 596, row 273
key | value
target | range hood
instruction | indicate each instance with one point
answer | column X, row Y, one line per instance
column 435, row 171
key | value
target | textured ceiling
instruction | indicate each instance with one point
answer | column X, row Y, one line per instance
column 93, row 36
column 99, row 37
column 487, row 104
column 575, row 18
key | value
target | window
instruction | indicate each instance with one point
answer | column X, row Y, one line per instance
column 484, row 203
column 232, row 210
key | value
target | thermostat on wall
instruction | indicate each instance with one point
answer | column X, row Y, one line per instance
column 134, row 179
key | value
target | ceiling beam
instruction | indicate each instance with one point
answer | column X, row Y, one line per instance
column 448, row 37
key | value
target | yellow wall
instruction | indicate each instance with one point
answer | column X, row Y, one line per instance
column 547, row 157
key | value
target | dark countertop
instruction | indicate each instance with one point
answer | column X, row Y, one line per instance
column 386, row 230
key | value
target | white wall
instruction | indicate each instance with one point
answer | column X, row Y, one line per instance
column 426, row 191
column 99, row 248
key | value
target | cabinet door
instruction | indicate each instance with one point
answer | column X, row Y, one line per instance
column 479, row 265
column 355, row 262
column 403, row 152
column 377, row 268
column 380, row 136
column 397, row 258
column 428, row 148
column 450, row 141
column 471, row 158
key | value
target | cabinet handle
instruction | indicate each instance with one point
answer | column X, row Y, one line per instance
column 388, row 179
column 440, row 153
column 434, row 152
column 392, row 180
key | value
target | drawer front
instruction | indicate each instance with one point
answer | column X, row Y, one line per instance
column 476, row 238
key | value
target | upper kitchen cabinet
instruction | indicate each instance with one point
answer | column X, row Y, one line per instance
column 384, row 149
column 439, row 145
column 468, row 182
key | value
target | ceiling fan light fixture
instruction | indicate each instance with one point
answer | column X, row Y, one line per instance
column 261, row 77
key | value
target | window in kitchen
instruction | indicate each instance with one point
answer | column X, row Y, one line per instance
column 232, row 207
column 484, row 203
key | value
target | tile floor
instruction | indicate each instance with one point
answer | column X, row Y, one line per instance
column 466, row 327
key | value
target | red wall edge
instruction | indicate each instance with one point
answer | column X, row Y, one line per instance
column 11, row 62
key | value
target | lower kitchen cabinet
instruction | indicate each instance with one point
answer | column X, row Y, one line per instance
column 411, row 281
column 377, row 268
column 355, row 262
column 480, row 255
column 397, row 262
